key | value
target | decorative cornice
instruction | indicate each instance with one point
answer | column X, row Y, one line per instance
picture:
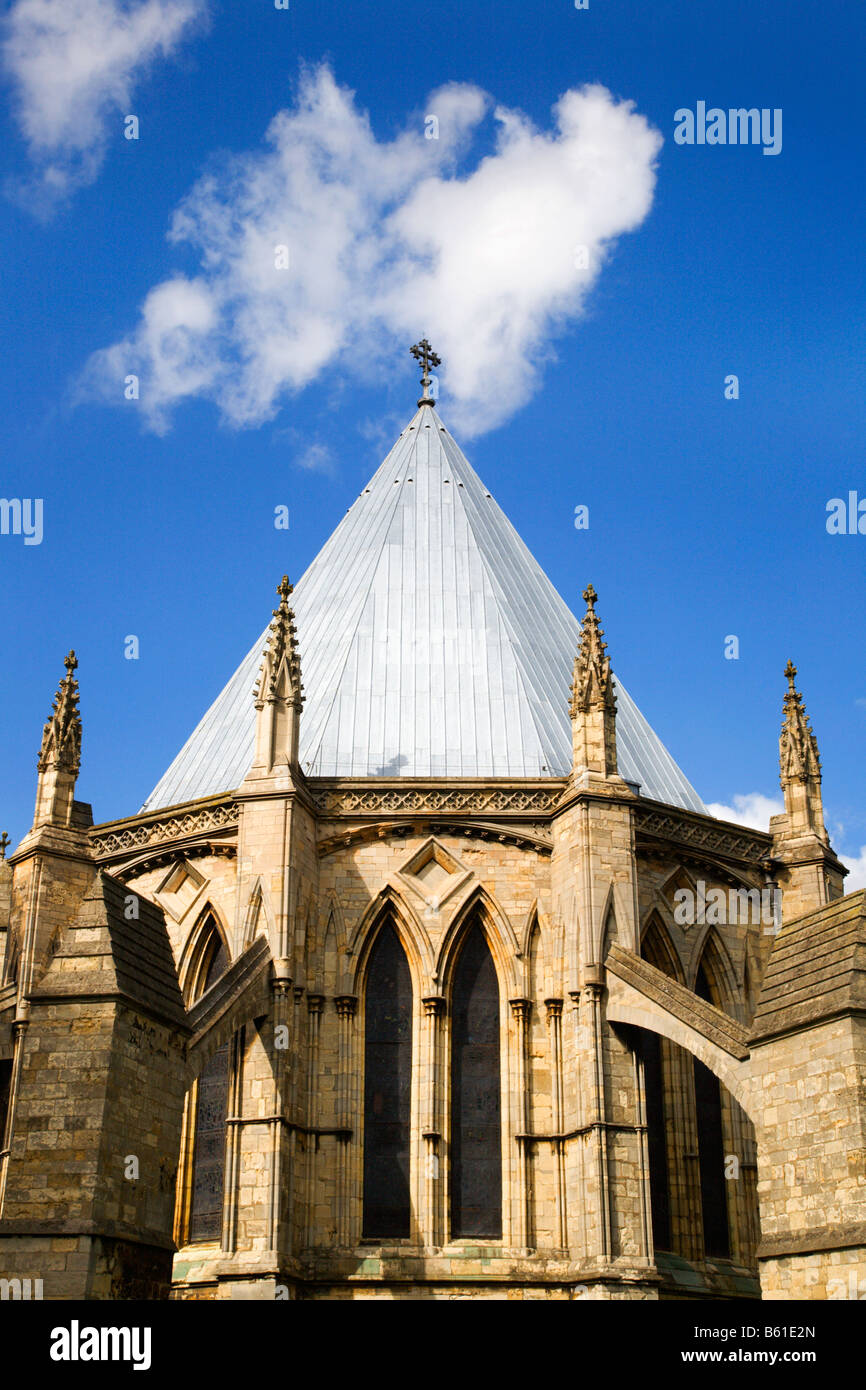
column 336, row 798
column 702, row 833
column 435, row 809
column 119, row 838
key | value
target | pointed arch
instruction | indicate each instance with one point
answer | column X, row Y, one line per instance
column 476, row 1089
column 326, row 954
column 657, row 947
column 532, row 920
column 712, row 956
column 206, row 936
column 608, row 924
column 715, row 1212
column 390, row 905
column 258, row 913
column 201, row 1176
column 388, row 1013
column 661, row 908
column 499, row 933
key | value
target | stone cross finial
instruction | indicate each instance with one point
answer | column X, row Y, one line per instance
column 282, row 644
column 593, row 702
column 61, row 737
column 798, row 747
column 4, row 841
column 592, row 686
column 427, row 358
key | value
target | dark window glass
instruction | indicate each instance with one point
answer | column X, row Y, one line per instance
column 206, row 1210
column 387, row 1089
column 5, row 1087
column 711, row 1149
column 476, row 1143
column 649, row 1047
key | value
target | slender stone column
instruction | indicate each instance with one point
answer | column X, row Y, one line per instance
column 598, row 1186
column 315, row 1004
column 283, row 1019
column 523, row 1234
column 234, row 1127
column 432, row 1216
column 554, row 1021
column 643, row 1139
column 347, row 1005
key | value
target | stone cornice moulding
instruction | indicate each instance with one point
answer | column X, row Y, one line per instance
column 372, row 799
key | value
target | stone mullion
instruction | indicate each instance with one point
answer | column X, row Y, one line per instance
column 315, row 1004
column 231, row 1187
column 432, row 1213
column 575, row 1155
column 690, row 1220
column 520, row 1009
column 593, row 987
column 347, row 1005
column 740, row 1197
column 282, row 1017
column 554, row 1020
column 293, row 1114
column 644, row 1166
column 749, row 1172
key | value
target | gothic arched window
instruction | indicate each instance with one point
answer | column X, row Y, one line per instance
column 476, row 1128
column 210, row 1107
column 657, row 1059
column 387, row 1089
column 711, row 1146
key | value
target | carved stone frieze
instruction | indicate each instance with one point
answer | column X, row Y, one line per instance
column 536, row 800
column 120, row 838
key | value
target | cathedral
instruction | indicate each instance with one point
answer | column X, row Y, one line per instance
column 424, row 972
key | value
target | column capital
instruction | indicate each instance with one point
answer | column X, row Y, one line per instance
column 554, row 1008
column 521, row 1008
column 315, row 1003
column 347, row 1005
column 594, row 979
column 434, row 1005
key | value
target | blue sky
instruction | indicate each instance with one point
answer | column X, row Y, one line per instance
column 707, row 516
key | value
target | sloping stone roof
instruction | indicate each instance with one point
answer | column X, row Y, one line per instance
column 105, row 955
column 817, row 969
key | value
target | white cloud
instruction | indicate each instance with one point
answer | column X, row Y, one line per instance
column 73, row 64
column 753, row 809
column 316, row 458
column 857, row 877
column 388, row 241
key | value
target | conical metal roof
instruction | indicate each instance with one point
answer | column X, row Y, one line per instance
column 432, row 645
